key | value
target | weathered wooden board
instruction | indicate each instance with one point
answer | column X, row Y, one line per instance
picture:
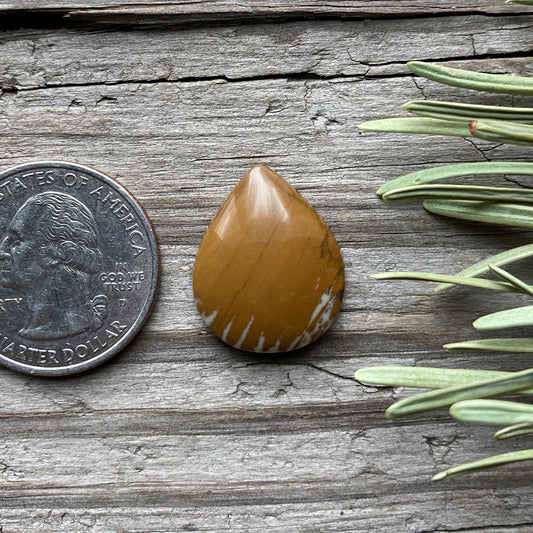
column 223, row 9
column 233, row 52
column 181, row 433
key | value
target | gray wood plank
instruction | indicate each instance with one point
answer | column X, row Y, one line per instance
column 38, row 58
column 220, row 9
column 182, row 433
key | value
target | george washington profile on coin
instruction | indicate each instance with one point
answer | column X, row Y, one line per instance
column 50, row 255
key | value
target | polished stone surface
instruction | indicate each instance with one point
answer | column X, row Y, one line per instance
column 269, row 275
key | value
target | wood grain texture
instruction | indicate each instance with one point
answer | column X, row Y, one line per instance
column 180, row 432
column 224, row 9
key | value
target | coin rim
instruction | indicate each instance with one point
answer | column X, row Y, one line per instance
column 142, row 316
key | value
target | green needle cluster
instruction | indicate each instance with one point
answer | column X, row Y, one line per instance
column 492, row 123
column 469, row 393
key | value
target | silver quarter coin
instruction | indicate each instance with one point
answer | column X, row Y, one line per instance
column 79, row 268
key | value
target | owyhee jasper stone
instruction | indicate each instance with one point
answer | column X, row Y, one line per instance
column 269, row 275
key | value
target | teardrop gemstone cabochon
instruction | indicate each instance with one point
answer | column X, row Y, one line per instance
column 269, row 275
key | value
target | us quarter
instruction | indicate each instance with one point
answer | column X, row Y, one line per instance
column 79, row 268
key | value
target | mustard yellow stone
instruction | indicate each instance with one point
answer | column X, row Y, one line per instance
column 269, row 275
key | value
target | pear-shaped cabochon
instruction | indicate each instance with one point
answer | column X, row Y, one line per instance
column 269, row 274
